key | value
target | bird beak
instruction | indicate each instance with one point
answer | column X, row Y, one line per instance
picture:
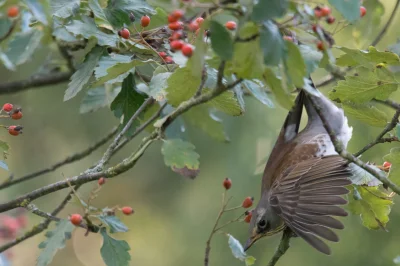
column 248, row 244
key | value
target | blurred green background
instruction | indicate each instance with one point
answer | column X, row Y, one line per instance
column 174, row 215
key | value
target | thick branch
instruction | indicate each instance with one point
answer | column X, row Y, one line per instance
column 282, row 248
column 70, row 159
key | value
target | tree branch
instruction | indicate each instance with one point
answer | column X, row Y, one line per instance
column 282, row 248
column 70, row 159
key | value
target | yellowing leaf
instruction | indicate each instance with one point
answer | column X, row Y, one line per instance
column 355, row 57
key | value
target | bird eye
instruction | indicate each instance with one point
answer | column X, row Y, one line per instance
column 262, row 224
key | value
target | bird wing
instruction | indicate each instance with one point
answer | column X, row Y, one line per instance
column 306, row 197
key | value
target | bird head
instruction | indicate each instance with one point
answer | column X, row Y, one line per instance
column 264, row 222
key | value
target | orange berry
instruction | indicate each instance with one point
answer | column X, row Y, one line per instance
column 175, row 25
column 176, row 35
column 101, row 181
column 320, row 46
column 199, row 20
column 387, row 164
column 178, row 14
column 325, row 11
column 330, row 20
column 247, row 202
column 227, row 183
column 248, row 216
column 318, row 13
column 162, row 54
column 124, row 33
column 187, row 50
column 171, row 18
column 363, row 11
column 145, row 21
column 193, row 26
column 8, row 107
column 231, row 25
column 76, row 219
column 17, row 115
column 13, row 11
column 127, row 210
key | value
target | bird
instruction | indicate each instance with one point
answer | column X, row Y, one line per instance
column 304, row 180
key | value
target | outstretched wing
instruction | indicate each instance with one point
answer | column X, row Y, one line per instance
column 308, row 195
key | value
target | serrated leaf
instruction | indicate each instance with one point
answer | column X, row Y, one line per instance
column 3, row 165
column 355, row 57
column 37, row 10
column 365, row 85
column 275, row 85
column 366, row 113
column 258, row 92
column 114, row 223
column 60, row 32
column 158, row 84
column 128, row 100
column 362, row 177
column 227, row 103
column 88, row 29
column 22, row 47
column 294, row 65
column 247, row 59
column 268, row 9
column 181, row 157
column 118, row 12
column 350, row 9
column 97, row 98
column 55, row 240
column 394, row 158
column 181, row 86
column 80, row 78
column 311, row 57
column 64, row 9
column 99, row 16
column 200, row 117
column 271, row 44
column 236, row 248
column 373, row 207
column 221, row 41
column 114, row 252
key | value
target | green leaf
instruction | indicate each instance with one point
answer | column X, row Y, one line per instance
column 221, row 41
column 366, row 113
column 362, row 177
column 114, row 223
column 394, row 158
column 258, row 92
column 398, row 130
column 365, row 85
column 64, row 9
column 37, row 10
column 200, row 117
column 4, row 147
column 275, row 85
column 128, row 100
column 22, row 47
column 81, row 77
column 311, row 57
column 250, row 260
column 227, row 103
column 55, row 240
column 196, row 62
column 294, row 65
column 181, row 157
column 267, row 9
column 118, row 12
column 271, row 43
column 181, row 86
column 247, row 62
column 99, row 16
column 350, row 9
column 3, row 165
column 97, row 98
column 373, row 207
column 114, row 252
column 5, row 25
column 355, row 57
column 88, row 29
column 60, row 32
column 158, row 84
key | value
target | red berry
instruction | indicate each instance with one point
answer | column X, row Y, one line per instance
column 145, row 21
column 8, row 107
column 330, row 19
column 13, row 11
column 200, row 20
column 175, row 25
column 13, row 130
column 17, row 115
column 171, row 18
column 193, row 26
column 320, row 46
column 169, row 60
column 162, row 54
column 127, row 210
column 314, row 27
column 187, row 50
column 387, row 164
column 22, row 221
column 75, row 219
column 288, row 38
column 318, row 13
column 124, row 33
column 101, row 181
column 176, row 44
column 176, row 35
column 325, row 11
column 227, row 183
column 247, row 202
column 363, row 11
column 11, row 226
column 247, row 219
column 231, row 25
column 177, row 14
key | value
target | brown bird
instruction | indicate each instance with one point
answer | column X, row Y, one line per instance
column 304, row 179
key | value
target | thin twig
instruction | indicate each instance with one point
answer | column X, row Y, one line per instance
column 203, row 81
column 70, row 159
column 282, row 248
column 10, row 30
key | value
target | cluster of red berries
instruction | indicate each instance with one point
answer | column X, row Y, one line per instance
column 11, row 226
column 77, row 219
column 13, row 11
column 15, row 114
column 247, row 202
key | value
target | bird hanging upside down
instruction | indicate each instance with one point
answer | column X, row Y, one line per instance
column 304, row 179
